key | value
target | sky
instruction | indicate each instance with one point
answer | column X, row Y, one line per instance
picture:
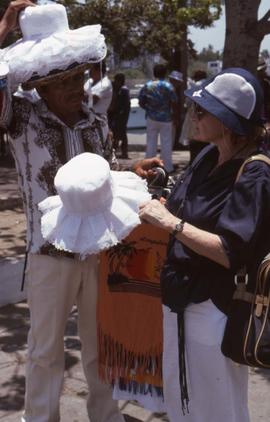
column 216, row 34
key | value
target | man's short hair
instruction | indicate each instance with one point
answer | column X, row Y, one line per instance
column 160, row 71
column 120, row 78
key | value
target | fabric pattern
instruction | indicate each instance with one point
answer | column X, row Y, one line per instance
column 129, row 302
column 41, row 143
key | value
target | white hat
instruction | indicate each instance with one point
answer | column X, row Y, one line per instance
column 95, row 208
column 48, row 46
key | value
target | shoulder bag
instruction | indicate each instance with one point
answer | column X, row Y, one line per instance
column 247, row 333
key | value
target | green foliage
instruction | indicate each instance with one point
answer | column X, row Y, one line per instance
column 133, row 26
column 208, row 54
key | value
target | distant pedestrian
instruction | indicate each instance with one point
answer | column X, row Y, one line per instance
column 189, row 134
column 119, row 112
column 176, row 79
column 157, row 98
column 99, row 88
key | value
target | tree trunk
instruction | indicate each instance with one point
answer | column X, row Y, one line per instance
column 243, row 35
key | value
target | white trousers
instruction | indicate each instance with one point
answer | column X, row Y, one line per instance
column 54, row 285
column 164, row 129
column 217, row 387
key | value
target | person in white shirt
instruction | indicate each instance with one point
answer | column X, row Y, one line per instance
column 98, row 88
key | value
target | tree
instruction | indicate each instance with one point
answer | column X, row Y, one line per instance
column 132, row 27
column 244, row 33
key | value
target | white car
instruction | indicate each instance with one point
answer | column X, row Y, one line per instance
column 136, row 115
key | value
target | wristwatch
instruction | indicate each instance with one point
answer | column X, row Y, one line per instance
column 178, row 227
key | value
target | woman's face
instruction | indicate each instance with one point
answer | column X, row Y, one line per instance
column 207, row 128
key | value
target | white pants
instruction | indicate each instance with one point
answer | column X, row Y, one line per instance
column 54, row 285
column 164, row 129
column 217, row 387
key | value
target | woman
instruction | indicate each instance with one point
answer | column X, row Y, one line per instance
column 216, row 227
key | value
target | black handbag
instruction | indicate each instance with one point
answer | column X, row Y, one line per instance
column 247, row 332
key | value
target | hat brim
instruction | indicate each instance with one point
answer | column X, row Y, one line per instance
column 176, row 79
column 90, row 234
column 230, row 119
column 56, row 75
column 33, row 60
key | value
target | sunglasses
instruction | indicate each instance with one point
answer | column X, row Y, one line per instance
column 198, row 111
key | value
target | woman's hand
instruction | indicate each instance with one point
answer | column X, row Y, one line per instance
column 156, row 214
column 200, row 241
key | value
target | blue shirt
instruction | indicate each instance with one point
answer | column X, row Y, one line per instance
column 156, row 98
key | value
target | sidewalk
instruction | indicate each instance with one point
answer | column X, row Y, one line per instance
column 14, row 322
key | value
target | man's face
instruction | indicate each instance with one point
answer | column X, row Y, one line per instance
column 65, row 93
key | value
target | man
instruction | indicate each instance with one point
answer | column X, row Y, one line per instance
column 46, row 130
column 99, row 88
column 119, row 113
column 157, row 98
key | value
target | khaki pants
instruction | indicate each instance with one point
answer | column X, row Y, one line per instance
column 55, row 284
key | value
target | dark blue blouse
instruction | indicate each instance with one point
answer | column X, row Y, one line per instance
column 238, row 212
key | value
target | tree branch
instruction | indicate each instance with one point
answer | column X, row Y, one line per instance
column 264, row 24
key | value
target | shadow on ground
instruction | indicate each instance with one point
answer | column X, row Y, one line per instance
column 14, row 326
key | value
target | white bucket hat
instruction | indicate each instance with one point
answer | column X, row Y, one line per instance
column 95, row 208
column 48, row 46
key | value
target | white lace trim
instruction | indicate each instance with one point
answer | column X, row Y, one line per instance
column 58, row 51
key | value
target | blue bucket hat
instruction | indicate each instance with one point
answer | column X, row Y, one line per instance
column 234, row 96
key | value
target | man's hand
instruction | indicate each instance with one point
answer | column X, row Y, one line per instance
column 144, row 168
column 10, row 19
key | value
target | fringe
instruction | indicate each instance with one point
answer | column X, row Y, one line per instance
column 116, row 362
column 182, row 362
column 136, row 388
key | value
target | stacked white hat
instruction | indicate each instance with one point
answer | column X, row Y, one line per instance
column 95, row 208
column 49, row 46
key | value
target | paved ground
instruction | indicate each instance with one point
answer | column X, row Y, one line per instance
column 14, row 322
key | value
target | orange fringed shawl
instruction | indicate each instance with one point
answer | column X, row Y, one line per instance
column 129, row 312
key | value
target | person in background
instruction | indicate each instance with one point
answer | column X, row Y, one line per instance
column 198, row 78
column 157, row 97
column 217, row 226
column 188, row 132
column 119, row 113
column 176, row 79
column 98, row 88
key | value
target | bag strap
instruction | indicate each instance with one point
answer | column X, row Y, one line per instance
column 257, row 157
